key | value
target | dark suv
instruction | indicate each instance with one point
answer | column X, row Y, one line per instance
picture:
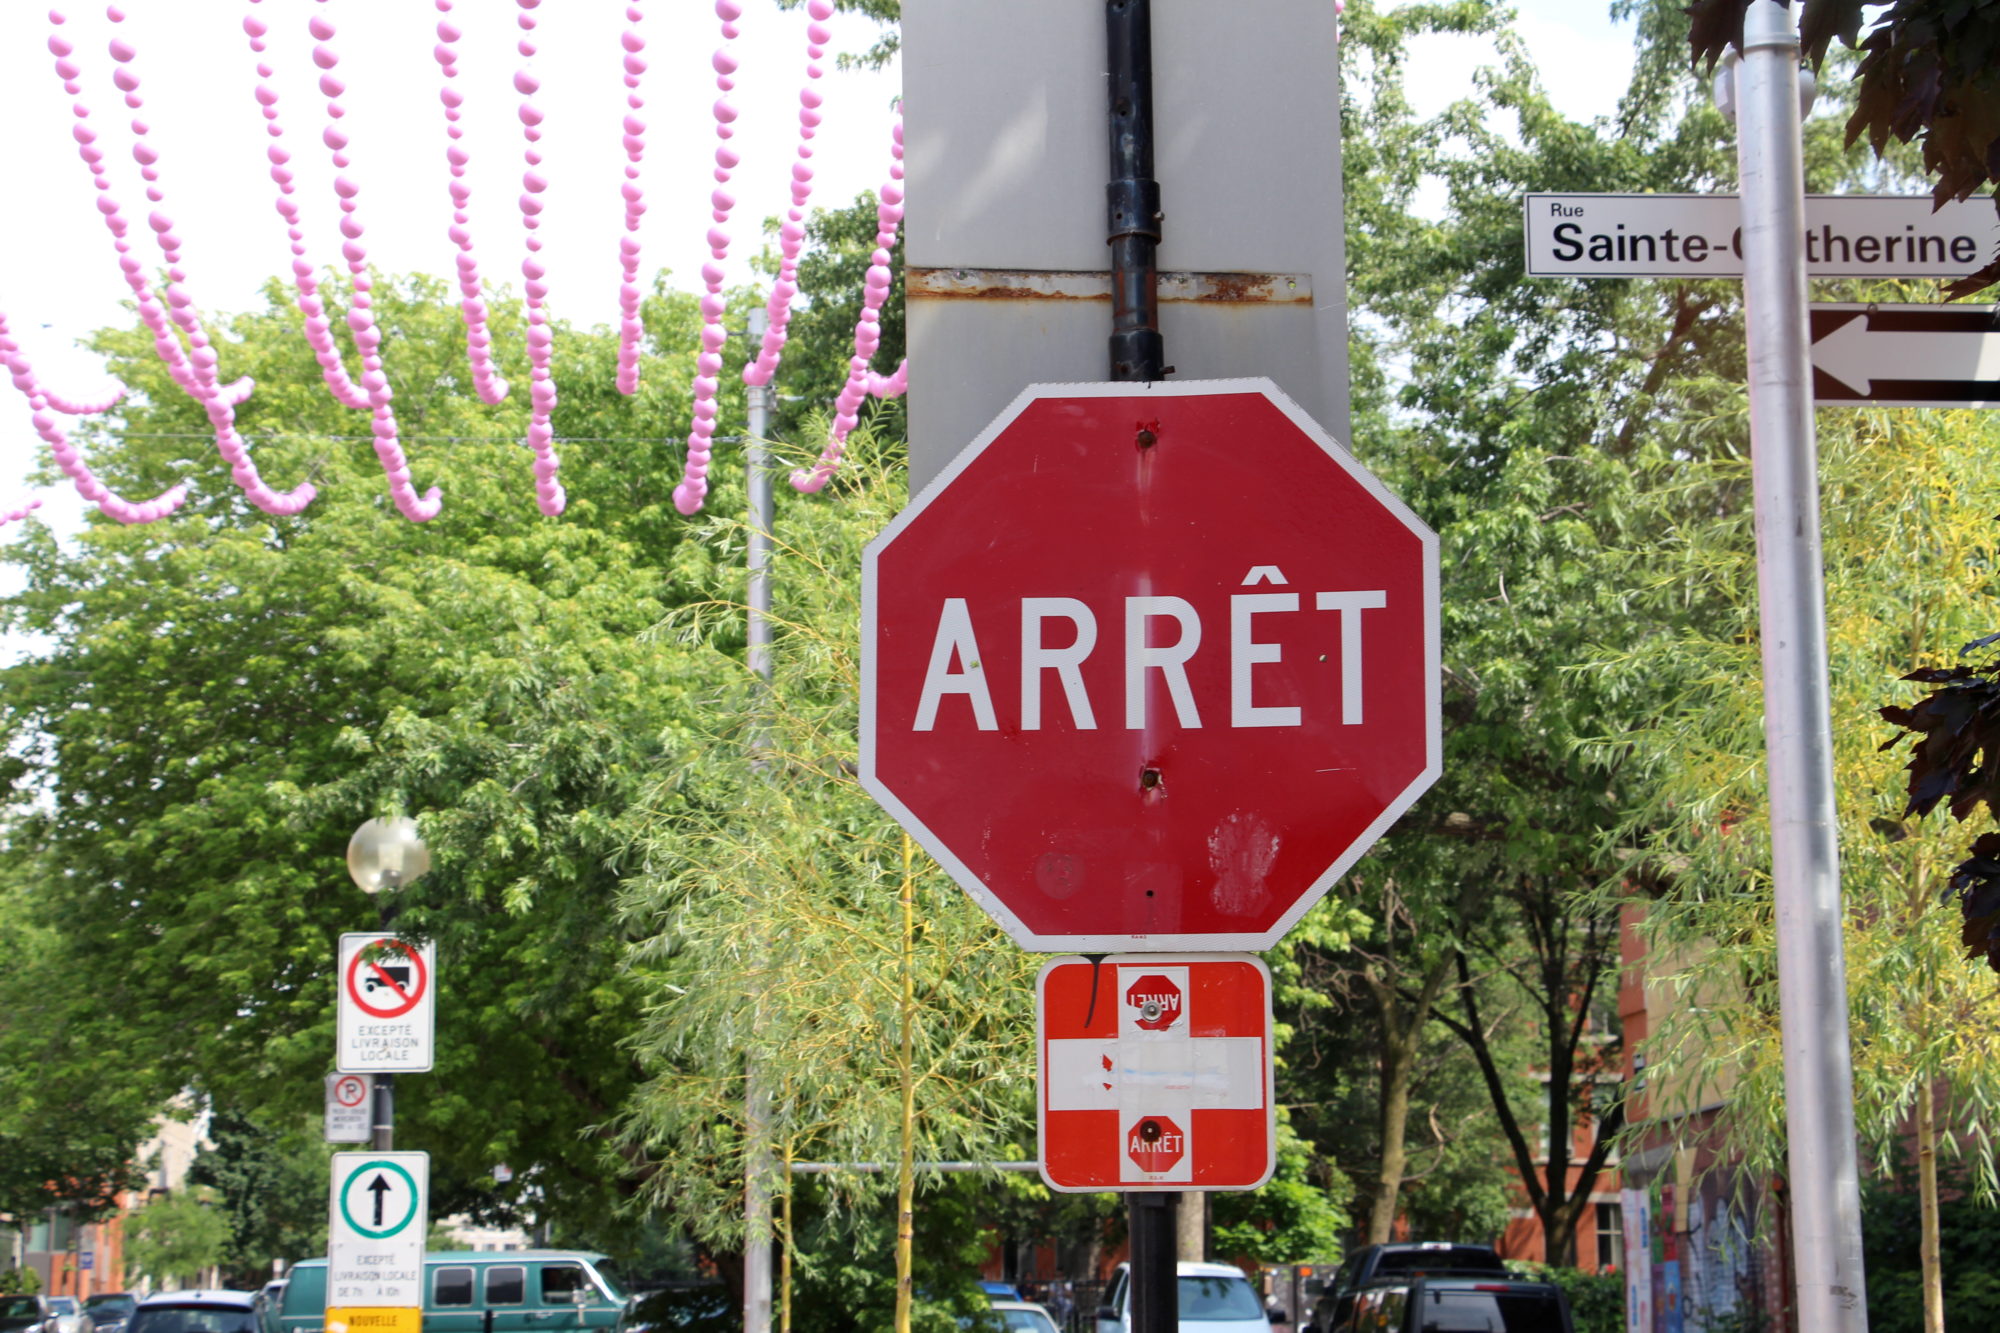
column 1461, row 1305
column 1404, row 1259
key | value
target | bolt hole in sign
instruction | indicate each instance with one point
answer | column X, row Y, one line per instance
column 1149, row 666
column 1155, row 1072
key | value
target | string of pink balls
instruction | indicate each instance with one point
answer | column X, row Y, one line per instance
column 195, row 367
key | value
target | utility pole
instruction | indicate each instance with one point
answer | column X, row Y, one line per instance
column 759, row 1167
column 1805, row 856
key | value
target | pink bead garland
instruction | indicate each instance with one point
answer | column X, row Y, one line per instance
column 688, row 496
column 70, row 407
column 472, row 312
column 360, row 314
column 549, row 493
column 305, row 277
column 18, row 512
column 867, row 329
column 66, row 455
column 792, row 235
column 194, row 371
column 630, row 330
column 541, row 338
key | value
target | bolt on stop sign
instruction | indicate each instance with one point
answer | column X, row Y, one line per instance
column 1150, row 665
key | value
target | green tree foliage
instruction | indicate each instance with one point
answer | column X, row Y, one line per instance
column 271, row 1185
column 1527, row 421
column 226, row 696
column 775, row 908
column 71, row 1116
column 1905, row 500
column 177, row 1237
column 1890, row 1226
column 1929, row 73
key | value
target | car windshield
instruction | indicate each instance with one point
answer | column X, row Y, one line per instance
column 109, row 1301
column 193, row 1319
column 1206, row 1299
column 607, row 1277
column 1490, row 1312
column 19, row 1311
column 63, row 1304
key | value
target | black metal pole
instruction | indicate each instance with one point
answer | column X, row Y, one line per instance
column 383, row 1138
column 1156, row 1294
column 1133, row 196
column 1138, row 354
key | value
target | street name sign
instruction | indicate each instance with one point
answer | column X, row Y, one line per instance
column 350, row 1102
column 387, row 1008
column 1155, row 1072
column 378, row 1218
column 1150, row 665
column 1701, row 236
column 1905, row 355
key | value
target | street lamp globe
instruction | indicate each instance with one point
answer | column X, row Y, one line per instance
column 386, row 854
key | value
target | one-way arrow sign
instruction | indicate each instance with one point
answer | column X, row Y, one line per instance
column 1906, row 355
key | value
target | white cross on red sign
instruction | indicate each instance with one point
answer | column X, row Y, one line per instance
column 387, row 1005
column 1155, row 1072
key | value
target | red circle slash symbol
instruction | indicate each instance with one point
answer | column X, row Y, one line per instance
column 350, row 1092
column 404, row 979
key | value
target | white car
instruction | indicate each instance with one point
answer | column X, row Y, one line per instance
column 1214, row 1298
column 68, row 1315
column 1019, row 1317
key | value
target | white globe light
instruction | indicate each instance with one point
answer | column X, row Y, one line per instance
column 386, row 854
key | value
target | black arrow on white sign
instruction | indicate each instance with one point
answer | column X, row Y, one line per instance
column 1906, row 355
column 378, row 1187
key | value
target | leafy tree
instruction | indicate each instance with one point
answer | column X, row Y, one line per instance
column 1927, row 73
column 226, row 696
column 177, row 1237
column 797, row 931
column 271, row 1186
column 1905, row 499
column 1524, row 420
column 1891, row 1225
column 71, row 1118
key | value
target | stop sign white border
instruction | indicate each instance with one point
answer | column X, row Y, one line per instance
column 1243, row 941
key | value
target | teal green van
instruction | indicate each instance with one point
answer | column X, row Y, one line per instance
column 478, row 1291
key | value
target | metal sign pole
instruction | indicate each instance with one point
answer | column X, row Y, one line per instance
column 1805, row 863
column 1138, row 353
column 759, row 1168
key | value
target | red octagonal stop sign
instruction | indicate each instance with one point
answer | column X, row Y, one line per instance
column 1155, row 1143
column 1149, row 666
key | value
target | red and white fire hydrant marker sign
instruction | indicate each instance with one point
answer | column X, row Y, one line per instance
column 1155, row 1072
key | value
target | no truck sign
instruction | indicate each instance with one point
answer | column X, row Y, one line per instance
column 387, row 1007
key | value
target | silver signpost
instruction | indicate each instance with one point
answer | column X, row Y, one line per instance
column 1805, row 861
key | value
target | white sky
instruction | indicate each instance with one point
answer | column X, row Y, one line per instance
column 58, row 274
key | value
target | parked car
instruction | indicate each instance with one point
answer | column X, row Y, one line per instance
column 25, row 1314
column 1460, row 1305
column 1373, row 1263
column 1214, row 1298
column 108, row 1310
column 1013, row 1317
column 204, row 1311
column 66, row 1316
column 479, row 1291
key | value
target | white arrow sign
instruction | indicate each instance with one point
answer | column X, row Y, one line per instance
column 1906, row 355
column 378, row 1219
